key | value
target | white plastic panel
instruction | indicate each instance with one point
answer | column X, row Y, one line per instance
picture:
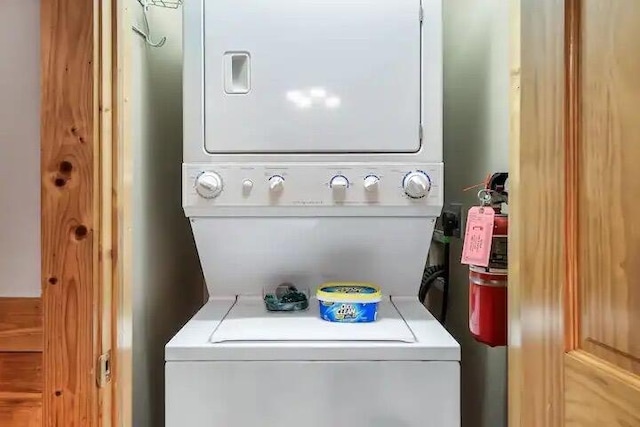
column 240, row 256
column 249, row 321
column 313, row 394
column 307, row 186
column 319, row 76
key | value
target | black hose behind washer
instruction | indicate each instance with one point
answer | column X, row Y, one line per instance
column 429, row 276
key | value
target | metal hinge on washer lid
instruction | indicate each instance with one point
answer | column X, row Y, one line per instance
column 420, row 132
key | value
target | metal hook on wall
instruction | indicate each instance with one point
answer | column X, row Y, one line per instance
column 145, row 34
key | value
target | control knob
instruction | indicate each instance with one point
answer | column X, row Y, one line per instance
column 417, row 184
column 208, row 185
column 371, row 183
column 276, row 184
column 339, row 183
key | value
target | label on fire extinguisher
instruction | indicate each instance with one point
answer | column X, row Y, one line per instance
column 478, row 235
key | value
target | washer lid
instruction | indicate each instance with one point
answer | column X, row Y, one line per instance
column 401, row 318
column 249, row 321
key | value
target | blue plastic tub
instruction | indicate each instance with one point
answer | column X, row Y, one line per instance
column 349, row 302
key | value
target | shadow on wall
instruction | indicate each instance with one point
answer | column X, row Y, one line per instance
column 168, row 284
column 476, row 129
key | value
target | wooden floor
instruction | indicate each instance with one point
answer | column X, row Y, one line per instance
column 20, row 362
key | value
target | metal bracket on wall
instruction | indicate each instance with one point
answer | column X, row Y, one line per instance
column 145, row 33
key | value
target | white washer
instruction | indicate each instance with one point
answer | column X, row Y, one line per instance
column 234, row 365
column 312, row 153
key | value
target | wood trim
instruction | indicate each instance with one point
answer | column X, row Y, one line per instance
column 106, row 203
column 123, row 266
column 572, row 141
column 70, row 215
column 599, row 394
column 536, row 229
column 515, row 372
column 20, row 324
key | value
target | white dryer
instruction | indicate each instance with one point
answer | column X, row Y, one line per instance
column 312, row 153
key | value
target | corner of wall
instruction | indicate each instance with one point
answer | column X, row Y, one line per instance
column 476, row 129
column 167, row 288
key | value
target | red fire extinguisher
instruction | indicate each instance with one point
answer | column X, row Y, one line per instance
column 488, row 283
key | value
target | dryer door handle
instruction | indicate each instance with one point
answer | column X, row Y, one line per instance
column 237, row 72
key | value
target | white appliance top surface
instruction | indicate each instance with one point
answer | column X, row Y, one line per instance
column 405, row 331
column 249, row 321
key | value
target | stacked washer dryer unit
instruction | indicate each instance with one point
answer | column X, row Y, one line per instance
column 312, row 153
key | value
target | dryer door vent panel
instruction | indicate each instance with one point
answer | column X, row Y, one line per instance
column 311, row 76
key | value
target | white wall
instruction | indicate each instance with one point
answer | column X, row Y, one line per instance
column 476, row 125
column 20, row 148
column 168, row 284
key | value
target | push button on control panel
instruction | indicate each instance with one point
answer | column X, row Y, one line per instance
column 247, row 186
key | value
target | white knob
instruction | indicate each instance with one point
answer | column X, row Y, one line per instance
column 339, row 183
column 208, row 185
column 276, row 184
column 417, row 185
column 371, row 183
column 247, row 186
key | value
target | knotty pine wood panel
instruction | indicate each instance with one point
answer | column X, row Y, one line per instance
column 20, row 389
column 20, row 372
column 20, row 412
column 20, row 324
column 69, row 146
column 599, row 394
column 609, row 185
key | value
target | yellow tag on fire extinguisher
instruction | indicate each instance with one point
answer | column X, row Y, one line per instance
column 478, row 235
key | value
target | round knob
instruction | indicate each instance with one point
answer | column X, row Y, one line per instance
column 208, row 185
column 417, row 184
column 276, row 184
column 339, row 183
column 371, row 183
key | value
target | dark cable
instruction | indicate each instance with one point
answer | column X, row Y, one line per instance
column 445, row 288
column 450, row 222
column 429, row 276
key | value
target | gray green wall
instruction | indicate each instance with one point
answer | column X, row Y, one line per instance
column 167, row 285
column 476, row 131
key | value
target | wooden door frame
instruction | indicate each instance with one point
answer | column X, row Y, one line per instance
column 79, row 209
column 543, row 239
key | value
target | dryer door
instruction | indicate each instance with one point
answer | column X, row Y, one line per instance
column 310, row 76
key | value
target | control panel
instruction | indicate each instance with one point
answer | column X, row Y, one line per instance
column 312, row 184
